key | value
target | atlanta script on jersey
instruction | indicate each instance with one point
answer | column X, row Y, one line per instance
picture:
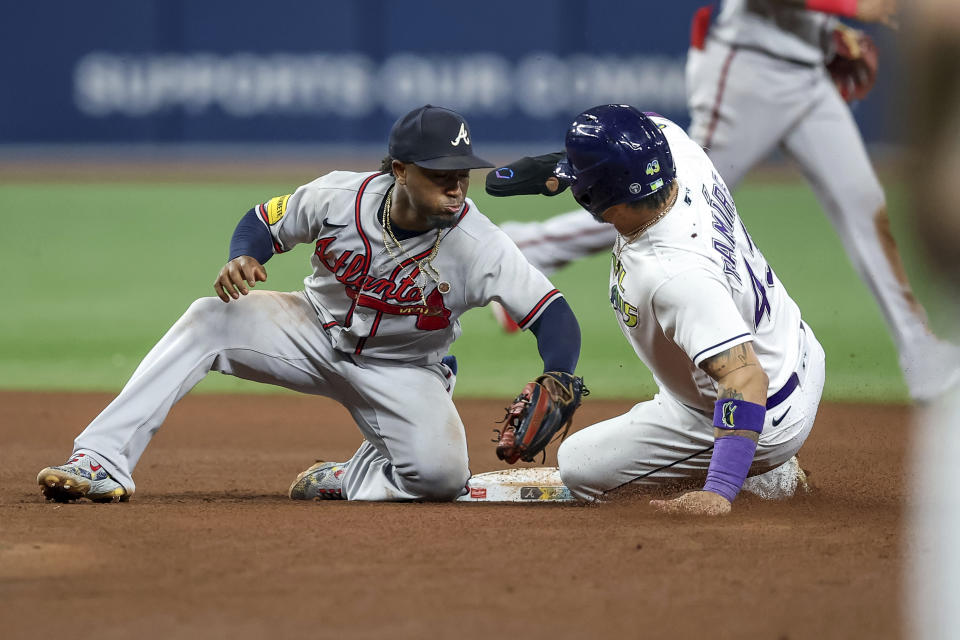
column 371, row 305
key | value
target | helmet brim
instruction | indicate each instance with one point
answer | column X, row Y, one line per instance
column 564, row 171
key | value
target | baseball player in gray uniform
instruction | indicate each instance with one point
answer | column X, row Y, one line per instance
column 400, row 254
column 740, row 373
column 758, row 82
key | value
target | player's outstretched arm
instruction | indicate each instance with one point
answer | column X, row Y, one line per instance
column 558, row 337
column 531, row 422
column 238, row 276
column 738, row 420
column 527, row 176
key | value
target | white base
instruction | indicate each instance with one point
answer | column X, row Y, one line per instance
column 535, row 484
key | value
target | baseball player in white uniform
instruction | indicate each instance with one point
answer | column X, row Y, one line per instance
column 400, row 255
column 758, row 82
column 740, row 373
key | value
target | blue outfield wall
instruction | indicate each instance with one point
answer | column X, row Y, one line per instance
column 291, row 71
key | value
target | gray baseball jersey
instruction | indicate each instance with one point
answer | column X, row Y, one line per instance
column 359, row 333
column 370, row 301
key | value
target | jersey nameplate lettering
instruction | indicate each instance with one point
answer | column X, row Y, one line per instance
column 724, row 220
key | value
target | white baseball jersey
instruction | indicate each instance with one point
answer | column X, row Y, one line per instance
column 369, row 301
column 786, row 32
column 695, row 284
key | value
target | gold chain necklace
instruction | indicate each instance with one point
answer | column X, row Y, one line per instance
column 425, row 266
column 624, row 240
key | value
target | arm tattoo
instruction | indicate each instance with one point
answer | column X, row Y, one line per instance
column 738, row 374
column 725, row 362
column 724, row 393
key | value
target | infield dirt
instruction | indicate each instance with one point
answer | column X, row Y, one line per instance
column 210, row 546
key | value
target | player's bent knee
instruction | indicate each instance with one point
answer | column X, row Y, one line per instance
column 209, row 315
column 203, row 309
column 577, row 472
column 437, row 483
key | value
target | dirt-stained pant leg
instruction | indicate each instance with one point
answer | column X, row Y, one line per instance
column 662, row 441
column 266, row 336
column 853, row 199
column 744, row 104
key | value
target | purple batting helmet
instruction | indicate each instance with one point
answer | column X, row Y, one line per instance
column 615, row 154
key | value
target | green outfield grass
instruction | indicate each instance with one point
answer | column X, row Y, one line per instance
column 97, row 272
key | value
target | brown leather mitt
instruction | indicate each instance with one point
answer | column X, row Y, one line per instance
column 541, row 413
column 854, row 63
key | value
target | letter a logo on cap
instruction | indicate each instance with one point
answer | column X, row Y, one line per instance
column 461, row 136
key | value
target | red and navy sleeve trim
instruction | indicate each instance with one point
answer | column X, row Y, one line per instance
column 262, row 210
column 558, row 337
column 544, row 301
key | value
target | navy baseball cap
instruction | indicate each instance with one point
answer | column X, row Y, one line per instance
column 434, row 138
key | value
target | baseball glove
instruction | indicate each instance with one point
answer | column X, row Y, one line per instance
column 526, row 176
column 541, row 413
column 854, row 64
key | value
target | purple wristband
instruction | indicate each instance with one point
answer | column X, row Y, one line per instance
column 733, row 414
column 732, row 457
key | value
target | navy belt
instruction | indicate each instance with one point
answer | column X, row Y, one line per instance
column 785, row 391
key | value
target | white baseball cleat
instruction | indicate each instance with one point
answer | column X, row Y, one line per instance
column 322, row 481
column 785, row 481
column 80, row 477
